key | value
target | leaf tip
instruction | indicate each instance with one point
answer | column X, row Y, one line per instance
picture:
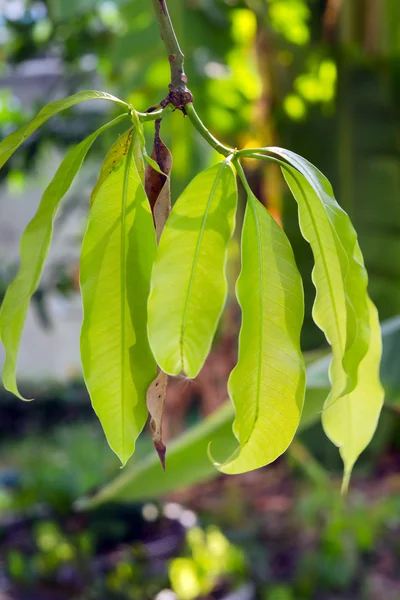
column 161, row 451
column 123, row 457
column 215, row 463
column 13, row 388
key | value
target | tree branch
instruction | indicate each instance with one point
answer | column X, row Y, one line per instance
column 179, row 95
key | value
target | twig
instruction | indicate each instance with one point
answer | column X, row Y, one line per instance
column 179, row 95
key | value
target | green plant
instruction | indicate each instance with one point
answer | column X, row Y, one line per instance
column 150, row 309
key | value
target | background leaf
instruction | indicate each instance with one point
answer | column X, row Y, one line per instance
column 188, row 462
column 117, row 256
column 189, row 287
column 268, row 383
column 11, row 143
column 34, row 249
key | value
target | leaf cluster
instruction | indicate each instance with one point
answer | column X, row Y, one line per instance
column 154, row 287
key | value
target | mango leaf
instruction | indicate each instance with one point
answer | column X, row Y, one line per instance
column 34, row 248
column 341, row 305
column 117, row 256
column 188, row 287
column 11, row 143
column 268, row 383
column 342, row 309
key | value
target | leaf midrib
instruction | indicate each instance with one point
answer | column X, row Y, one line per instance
column 196, row 256
column 261, row 305
column 123, row 288
column 252, row 201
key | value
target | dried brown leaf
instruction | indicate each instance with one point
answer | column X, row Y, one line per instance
column 158, row 190
column 155, row 399
column 157, row 185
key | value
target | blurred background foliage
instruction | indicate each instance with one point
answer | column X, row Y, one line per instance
column 321, row 77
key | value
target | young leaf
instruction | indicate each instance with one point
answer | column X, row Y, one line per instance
column 340, row 278
column 267, row 385
column 188, row 288
column 11, row 143
column 117, row 255
column 342, row 309
column 35, row 243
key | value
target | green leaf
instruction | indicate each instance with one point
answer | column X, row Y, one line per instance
column 117, row 255
column 11, row 143
column 188, row 288
column 34, row 249
column 268, row 383
column 340, row 278
column 342, row 308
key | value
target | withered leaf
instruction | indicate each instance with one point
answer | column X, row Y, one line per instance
column 158, row 190
column 155, row 400
column 157, row 185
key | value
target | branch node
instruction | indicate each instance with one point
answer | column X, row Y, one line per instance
column 178, row 97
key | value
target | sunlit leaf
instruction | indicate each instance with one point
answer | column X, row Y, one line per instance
column 117, row 256
column 341, row 308
column 11, row 143
column 35, row 243
column 268, row 383
column 341, row 304
column 189, row 286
